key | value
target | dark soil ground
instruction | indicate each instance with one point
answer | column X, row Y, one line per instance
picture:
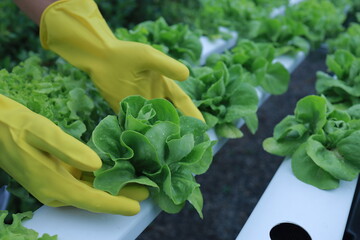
column 240, row 172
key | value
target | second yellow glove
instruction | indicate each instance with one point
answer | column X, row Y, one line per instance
column 48, row 163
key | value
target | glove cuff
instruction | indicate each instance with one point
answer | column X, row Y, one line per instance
column 75, row 30
column 43, row 28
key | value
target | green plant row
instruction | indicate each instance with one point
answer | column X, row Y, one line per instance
column 302, row 26
column 246, row 63
column 226, row 89
column 323, row 135
column 176, row 40
column 249, row 17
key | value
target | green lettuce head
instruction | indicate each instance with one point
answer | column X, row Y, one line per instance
column 150, row 143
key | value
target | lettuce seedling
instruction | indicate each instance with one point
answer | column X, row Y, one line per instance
column 321, row 19
column 224, row 96
column 176, row 40
column 150, row 143
column 321, row 141
column 343, row 89
column 240, row 16
column 256, row 60
column 348, row 40
column 286, row 34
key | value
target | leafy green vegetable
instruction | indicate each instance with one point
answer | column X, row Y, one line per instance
column 321, row 19
column 224, row 96
column 348, row 40
column 311, row 20
column 321, row 142
column 239, row 15
column 62, row 94
column 304, row 25
column 343, row 89
column 286, row 34
column 305, row 169
column 349, row 7
column 354, row 111
column 176, row 40
column 149, row 143
column 224, row 90
column 16, row 231
column 256, row 62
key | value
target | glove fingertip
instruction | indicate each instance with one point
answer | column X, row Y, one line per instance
column 188, row 108
column 183, row 73
column 167, row 66
column 135, row 191
column 131, row 210
column 182, row 101
column 92, row 163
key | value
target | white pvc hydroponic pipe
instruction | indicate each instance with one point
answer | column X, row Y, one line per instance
column 289, row 206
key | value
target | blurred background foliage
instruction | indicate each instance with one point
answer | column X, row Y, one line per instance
column 19, row 35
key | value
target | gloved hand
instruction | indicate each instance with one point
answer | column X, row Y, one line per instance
column 76, row 31
column 48, row 163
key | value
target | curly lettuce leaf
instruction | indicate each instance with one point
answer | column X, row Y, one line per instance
column 342, row 89
column 61, row 93
column 305, row 169
column 289, row 134
column 16, row 230
column 330, row 160
column 309, row 117
column 311, row 110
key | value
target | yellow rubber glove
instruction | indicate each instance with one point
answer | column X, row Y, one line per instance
column 75, row 30
column 47, row 162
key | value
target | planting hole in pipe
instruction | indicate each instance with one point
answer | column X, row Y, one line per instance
column 286, row 231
